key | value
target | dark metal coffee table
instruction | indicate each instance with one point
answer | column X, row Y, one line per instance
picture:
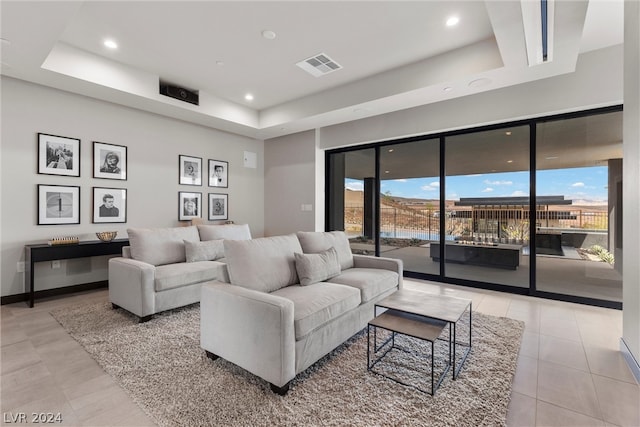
column 424, row 316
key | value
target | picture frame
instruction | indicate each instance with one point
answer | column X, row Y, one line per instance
column 109, row 205
column 218, row 173
column 58, row 204
column 190, row 170
column 218, row 206
column 58, row 155
column 109, row 161
column 189, row 205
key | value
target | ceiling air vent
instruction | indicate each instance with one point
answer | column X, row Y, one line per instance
column 319, row 65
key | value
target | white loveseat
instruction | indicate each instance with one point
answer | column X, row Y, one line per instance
column 163, row 268
column 291, row 300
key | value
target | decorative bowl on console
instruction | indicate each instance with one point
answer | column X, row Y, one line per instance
column 107, row 236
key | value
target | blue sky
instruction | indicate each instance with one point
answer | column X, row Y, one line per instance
column 588, row 184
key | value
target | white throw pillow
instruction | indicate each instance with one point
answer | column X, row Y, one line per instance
column 314, row 268
column 313, row 242
column 209, row 250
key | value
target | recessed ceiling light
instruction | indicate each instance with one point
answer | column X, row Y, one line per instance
column 509, row 161
column 268, row 34
column 248, row 97
column 551, row 157
column 508, row 133
column 386, row 171
column 111, row 44
column 391, row 150
column 452, row 21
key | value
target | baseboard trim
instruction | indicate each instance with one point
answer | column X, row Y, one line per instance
column 11, row 299
column 631, row 361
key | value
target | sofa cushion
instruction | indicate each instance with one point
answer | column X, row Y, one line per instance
column 173, row 276
column 160, row 246
column 209, row 250
column 370, row 281
column 314, row 268
column 264, row 264
column 226, row 231
column 313, row 242
column 318, row 304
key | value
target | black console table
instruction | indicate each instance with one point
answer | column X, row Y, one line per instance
column 46, row 252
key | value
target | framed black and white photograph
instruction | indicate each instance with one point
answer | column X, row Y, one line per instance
column 218, row 206
column 58, row 155
column 109, row 161
column 190, row 170
column 218, row 173
column 109, row 205
column 58, row 204
column 189, row 205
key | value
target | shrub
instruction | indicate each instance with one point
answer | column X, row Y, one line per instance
column 602, row 253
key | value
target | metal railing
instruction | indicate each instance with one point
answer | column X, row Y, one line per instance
column 484, row 224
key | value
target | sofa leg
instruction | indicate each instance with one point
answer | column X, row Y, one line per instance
column 211, row 355
column 114, row 306
column 145, row 318
column 280, row 390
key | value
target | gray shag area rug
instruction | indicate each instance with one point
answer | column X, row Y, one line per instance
column 162, row 367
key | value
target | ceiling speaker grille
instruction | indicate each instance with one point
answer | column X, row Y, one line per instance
column 319, row 65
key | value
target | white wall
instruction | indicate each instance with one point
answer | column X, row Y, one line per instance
column 290, row 183
column 596, row 82
column 631, row 185
column 154, row 143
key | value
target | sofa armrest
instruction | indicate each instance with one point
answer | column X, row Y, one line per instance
column 392, row 264
column 131, row 285
column 249, row 328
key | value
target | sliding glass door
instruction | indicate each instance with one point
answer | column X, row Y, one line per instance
column 487, row 206
column 410, row 203
column 533, row 206
column 579, row 205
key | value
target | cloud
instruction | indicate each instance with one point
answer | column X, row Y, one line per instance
column 519, row 193
column 486, row 181
column 400, row 180
column 433, row 186
column 355, row 186
column 578, row 184
column 487, row 190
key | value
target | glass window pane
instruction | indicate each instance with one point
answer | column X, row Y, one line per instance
column 487, row 205
column 579, row 197
column 410, row 203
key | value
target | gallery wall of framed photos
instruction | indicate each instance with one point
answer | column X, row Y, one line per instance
column 61, row 204
column 147, row 146
column 190, row 172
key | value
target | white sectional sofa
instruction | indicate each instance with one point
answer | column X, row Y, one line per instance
column 291, row 300
column 163, row 268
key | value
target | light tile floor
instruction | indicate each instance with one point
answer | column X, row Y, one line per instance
column 570, row 371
